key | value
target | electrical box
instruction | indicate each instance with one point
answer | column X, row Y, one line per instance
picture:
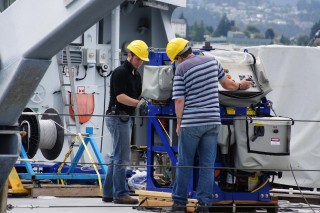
column 75, row 56
column 89, row 56
column 101, row 57
column 262, row 142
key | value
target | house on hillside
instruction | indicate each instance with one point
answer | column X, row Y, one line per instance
column 180, row 27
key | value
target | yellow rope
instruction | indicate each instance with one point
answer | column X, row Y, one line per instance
column 91, row 159
column 65, row 158
column 260, row 186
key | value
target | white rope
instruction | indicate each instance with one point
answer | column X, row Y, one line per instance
column 96, row 137
column 48, row 134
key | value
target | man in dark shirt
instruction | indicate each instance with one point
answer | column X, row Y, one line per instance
column 125, row 90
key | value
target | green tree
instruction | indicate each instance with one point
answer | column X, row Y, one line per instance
column 258, row 35
column 285, row 40
column 209, row 30
column 197, row 31
column 303, row 40
column 182, row 17
column 269, row 34
column 224, row 26
column 251, row 31
column 314, row 29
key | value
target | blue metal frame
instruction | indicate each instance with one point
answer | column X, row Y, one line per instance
column 70, row 173
column 158, row 58
column 153, row 127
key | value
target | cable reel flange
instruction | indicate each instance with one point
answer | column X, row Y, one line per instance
column 29, row 124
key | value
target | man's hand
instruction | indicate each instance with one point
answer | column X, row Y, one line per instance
column 244, row 84
column 143, row 106
column 179, row 107
column 141, row 103
column 178, row 129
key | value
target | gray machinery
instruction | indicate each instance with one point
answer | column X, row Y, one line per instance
column 26, row 49
column 253, row 145
column 35, row 31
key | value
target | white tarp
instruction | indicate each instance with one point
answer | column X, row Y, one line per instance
column 294, row 76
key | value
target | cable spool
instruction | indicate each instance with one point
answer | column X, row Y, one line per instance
column 45, row 134
column 54, row 152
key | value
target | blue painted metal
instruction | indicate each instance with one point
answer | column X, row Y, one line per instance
column 68, row 172
column 30, row 173
column 152, row 127
column 158, row 58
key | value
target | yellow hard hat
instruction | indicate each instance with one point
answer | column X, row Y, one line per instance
column 140, row 49
column 175, row 46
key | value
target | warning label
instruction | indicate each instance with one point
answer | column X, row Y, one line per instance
column 275, row 141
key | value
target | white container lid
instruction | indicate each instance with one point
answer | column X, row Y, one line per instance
column 271, row 120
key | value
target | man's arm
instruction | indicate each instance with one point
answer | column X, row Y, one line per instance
column 229, row 84
column 126, row 100
column 179, row 105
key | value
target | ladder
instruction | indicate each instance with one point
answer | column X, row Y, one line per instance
column 67, row 82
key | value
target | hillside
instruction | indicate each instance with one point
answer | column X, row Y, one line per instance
column 285, row 2
column 291, row 18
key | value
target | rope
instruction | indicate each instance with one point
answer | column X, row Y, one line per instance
column 260, row 187
column 165, row 131
column 46, row 141
column 167, row 117
column 92, row 161
column 66, row 157
column 169, row 166
column 30, row 206
column 48, row 134
column 294, row 177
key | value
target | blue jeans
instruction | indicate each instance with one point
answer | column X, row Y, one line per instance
column 201, row 139
column 115, row 184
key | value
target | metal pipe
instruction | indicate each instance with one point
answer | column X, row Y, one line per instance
column 115, row 38
column 4, row 197
column 171, row 131
column 292, row 191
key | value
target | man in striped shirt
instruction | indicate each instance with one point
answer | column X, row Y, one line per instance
column 195, row 93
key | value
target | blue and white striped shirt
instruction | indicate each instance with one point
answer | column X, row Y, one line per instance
column 196, row 81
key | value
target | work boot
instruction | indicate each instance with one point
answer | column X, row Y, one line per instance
column 107, row 199
column 126, row 200
column 177, row 207
column 202, row 208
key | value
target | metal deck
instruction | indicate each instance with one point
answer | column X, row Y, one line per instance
column 49, row 204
